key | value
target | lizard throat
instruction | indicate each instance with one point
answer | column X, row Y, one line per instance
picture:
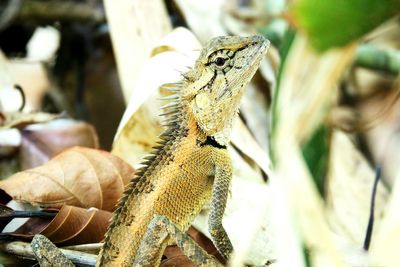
column 210, row 141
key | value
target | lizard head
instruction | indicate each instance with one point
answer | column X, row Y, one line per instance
column 215, row 85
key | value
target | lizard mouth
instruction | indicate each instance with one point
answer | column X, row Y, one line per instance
column 251, row 63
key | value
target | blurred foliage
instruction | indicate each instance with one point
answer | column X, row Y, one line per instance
column 331, row 23
column 316, row 154
column 283, row 51
column 275, row 31
column 369, row 56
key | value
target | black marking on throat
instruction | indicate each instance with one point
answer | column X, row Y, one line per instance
column 210, row 141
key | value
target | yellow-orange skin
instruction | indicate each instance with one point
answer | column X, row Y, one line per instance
column 181, row 188
column 186, row 170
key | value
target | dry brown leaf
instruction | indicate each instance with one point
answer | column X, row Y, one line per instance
column 383, row 112
column 176, row 257
column 245, row 142
column 10, row 140
column 138, row 134
column 32, row 78
column 42, row 142
column 74, row 225
column 80, row 177
column 4, row 213
column 349, row 189
column 195, row 12
column 71, row 225
column 250, row 205
column 133, row 36
column 20, row 119
column 384, row 248
column 140, row 125
column 254, row 110
column 10, row 99
column 43, row 45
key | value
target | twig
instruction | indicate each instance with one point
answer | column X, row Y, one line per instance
column 370, row 226
column 7, row 213
column 59, row 10
column 93, row 248
column 29, row 214
column 23, row 249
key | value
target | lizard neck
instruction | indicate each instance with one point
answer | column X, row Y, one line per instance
column 179, row 119
column 181, row 122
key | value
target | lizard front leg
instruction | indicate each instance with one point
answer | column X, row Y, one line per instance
column 222, row 180
column 159, row 229
column 47, row 254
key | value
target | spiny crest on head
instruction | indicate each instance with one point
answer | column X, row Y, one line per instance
column 185, row 76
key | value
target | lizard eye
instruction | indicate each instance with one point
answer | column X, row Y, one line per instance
column 220, row 61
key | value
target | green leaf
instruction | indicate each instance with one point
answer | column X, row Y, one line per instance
column 316, row 154
column 283, row 51
column 330, row 23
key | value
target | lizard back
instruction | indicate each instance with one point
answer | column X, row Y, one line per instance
column 175, row 181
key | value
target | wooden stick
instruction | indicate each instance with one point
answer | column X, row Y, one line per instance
column 23, row 249
column 92, row 248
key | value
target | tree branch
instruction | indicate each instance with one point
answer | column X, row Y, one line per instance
column 59, row 10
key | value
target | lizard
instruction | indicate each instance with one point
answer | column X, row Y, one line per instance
column 190, row 166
